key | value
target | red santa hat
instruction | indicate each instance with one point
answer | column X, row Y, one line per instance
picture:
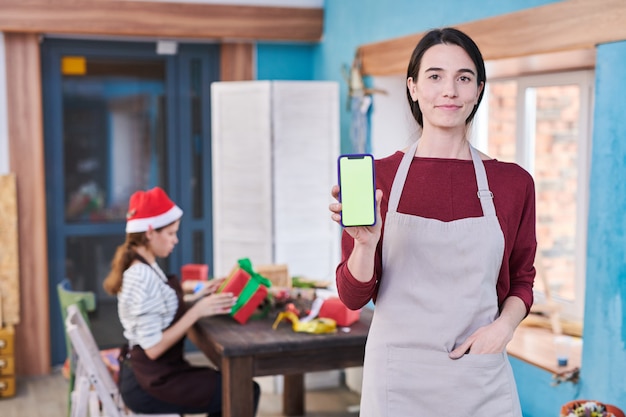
column 150, row 209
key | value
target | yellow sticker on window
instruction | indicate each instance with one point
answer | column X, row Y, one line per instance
column 73, row 65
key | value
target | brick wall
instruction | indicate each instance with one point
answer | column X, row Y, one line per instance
column 555, row 172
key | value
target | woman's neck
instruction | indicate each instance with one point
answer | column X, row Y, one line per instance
column 146, row 254
column 441, row 148
column 449, row 143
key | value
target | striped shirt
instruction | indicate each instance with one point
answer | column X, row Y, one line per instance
column 146, row 305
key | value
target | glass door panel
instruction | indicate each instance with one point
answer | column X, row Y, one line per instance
column 113, row 144
column 113, row 136
column 119, row 118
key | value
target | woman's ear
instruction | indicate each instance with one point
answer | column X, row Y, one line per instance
column 480, row 90
column 412, row 87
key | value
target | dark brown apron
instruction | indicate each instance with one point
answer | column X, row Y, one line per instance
column 170, row 377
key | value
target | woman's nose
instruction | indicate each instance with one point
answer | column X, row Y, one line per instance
column 449, row 89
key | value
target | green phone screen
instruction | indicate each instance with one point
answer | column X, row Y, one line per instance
column 356, row 188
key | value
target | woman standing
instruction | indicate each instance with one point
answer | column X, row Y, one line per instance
column 154, row 376
column 449, row 263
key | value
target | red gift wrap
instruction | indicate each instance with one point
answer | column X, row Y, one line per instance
column 249, row 287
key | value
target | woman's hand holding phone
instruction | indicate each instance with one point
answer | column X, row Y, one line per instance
column 361, row 261
column 358, row 210
column 365, row 235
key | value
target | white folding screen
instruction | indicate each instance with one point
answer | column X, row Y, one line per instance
column 242, row 174
column 278, row 141
column 305, row 149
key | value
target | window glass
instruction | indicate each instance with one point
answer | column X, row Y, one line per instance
column 541, row 123
column 113, row 135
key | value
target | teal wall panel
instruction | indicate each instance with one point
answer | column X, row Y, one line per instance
column 604, row 350
column 291, row 62
column 351, row 23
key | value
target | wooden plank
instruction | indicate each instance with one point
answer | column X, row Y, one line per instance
column 258, row 338
column 9, row 255
column 561, row 26
column 321, row 358
column 161, row 19
column 27, row 162
column 536, row 347
column 236, row 62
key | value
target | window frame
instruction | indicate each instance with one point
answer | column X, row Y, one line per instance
column 524, row 156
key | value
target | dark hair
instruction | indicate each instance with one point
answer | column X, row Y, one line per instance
column 448, row 36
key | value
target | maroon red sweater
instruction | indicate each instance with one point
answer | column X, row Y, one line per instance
column 445, row 189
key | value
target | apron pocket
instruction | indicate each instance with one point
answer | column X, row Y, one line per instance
column 425, row 382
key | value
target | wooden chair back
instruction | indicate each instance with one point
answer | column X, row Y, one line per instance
column 92, row 368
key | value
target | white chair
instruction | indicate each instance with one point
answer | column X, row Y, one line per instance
column 95, row 393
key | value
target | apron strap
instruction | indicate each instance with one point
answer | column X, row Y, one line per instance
column 484, row 194
column 400, row 178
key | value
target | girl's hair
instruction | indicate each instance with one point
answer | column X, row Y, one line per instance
column 448, row 36
column 124, row 256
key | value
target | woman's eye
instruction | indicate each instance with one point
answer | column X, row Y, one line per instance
column 434, row 77
column 465, row 78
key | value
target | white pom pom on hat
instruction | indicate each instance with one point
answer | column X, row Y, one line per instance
column 150, row 209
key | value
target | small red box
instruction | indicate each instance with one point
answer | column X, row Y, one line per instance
column 196, row 272
column 334, row 308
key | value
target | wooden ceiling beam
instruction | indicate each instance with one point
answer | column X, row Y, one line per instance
column 560, row 26
column 161, row 19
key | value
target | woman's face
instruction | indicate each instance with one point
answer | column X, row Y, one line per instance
column 446, row 87
column 162, row 242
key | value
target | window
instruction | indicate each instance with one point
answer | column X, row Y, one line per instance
column 542, row 122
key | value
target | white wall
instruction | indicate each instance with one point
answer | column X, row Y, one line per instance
column 4, row 128
column 393, row 126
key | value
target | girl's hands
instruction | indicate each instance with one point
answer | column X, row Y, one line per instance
column 206, row 288
column 366, row 235
column 210, row 286
column 215, row 304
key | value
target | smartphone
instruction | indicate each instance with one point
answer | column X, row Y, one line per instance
column 357, row 187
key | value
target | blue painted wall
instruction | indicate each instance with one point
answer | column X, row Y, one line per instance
column 604, row 349
column 278, row 61
column 350, row 23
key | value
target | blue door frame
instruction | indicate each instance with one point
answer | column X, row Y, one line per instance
column 189, row 74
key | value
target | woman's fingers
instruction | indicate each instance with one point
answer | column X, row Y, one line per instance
column 218, row 304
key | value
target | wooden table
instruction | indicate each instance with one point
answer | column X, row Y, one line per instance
column 255, row 349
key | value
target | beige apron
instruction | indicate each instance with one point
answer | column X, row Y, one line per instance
column 438, row 287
